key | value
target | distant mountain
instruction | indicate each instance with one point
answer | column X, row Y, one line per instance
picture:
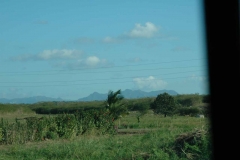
column 29, row 100
column 95, row 96
column 128, row 94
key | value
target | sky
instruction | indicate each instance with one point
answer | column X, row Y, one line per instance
column 70, row 49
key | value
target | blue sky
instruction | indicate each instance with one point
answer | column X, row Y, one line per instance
column 70, row 49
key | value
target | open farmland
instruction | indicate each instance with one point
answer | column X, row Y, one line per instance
column 79, row 136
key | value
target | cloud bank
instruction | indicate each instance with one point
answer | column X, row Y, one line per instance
column 65, row 58
column 54, row 54
column 148, row 30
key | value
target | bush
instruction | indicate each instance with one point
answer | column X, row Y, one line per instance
column 63, row 126
column 191, row 111
column 188, row 99
column 164, row 104
column 194, row 145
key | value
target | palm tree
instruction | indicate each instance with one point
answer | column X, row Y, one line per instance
column 112, row 104
column 113, row 98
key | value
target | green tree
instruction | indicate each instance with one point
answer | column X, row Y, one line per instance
column 113, row 98
column 114, row 105
column 164, row 104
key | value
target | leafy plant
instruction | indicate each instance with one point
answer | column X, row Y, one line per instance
column 164, row 104
column 191, row 111
column 114, row 106
column 194, row 145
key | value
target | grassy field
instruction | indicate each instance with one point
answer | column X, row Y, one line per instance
column 154, row 137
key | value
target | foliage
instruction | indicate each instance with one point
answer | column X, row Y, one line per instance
column 188, row 100
column 164, row 104
column 81, row 123
column 142, row 110
column 191, row 111
column 194, row 145
column 64, row 126
column 77, row 136
column 114, row 105
column 73, row 106
column 159, row 142
column 64, row 107
column 133, row 104
column 113, row 98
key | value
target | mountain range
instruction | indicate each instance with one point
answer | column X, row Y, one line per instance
column 95, row 96
column 128, row 94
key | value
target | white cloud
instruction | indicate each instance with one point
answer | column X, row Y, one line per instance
column 92, row 61
column 50, row 55
column 149, row 83
column 147, row 31
column 59, row 54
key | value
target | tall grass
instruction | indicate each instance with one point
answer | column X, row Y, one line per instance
column 158, row 143
column 60, row 126
column 92, row 135
column 153, row 145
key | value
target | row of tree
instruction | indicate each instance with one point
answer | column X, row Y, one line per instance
column 163, row 104
column 189, row 104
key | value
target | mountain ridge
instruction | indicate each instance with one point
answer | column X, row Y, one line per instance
column 95, row 96
column 128, row 94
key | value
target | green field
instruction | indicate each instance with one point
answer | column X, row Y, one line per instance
column 62, row 136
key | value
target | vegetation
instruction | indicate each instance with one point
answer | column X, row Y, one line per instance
column 142, row 110
column 114, row 105
column 60, row 126
column 164, row 104
column 90, row 132
column 156, row 137
column 190, row 111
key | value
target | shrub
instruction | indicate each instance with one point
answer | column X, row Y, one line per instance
column 194, row 145
column 191, row 111
column 164, row 104
column 188, row 99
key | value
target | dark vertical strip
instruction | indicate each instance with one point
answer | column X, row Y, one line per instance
column 222, row 42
